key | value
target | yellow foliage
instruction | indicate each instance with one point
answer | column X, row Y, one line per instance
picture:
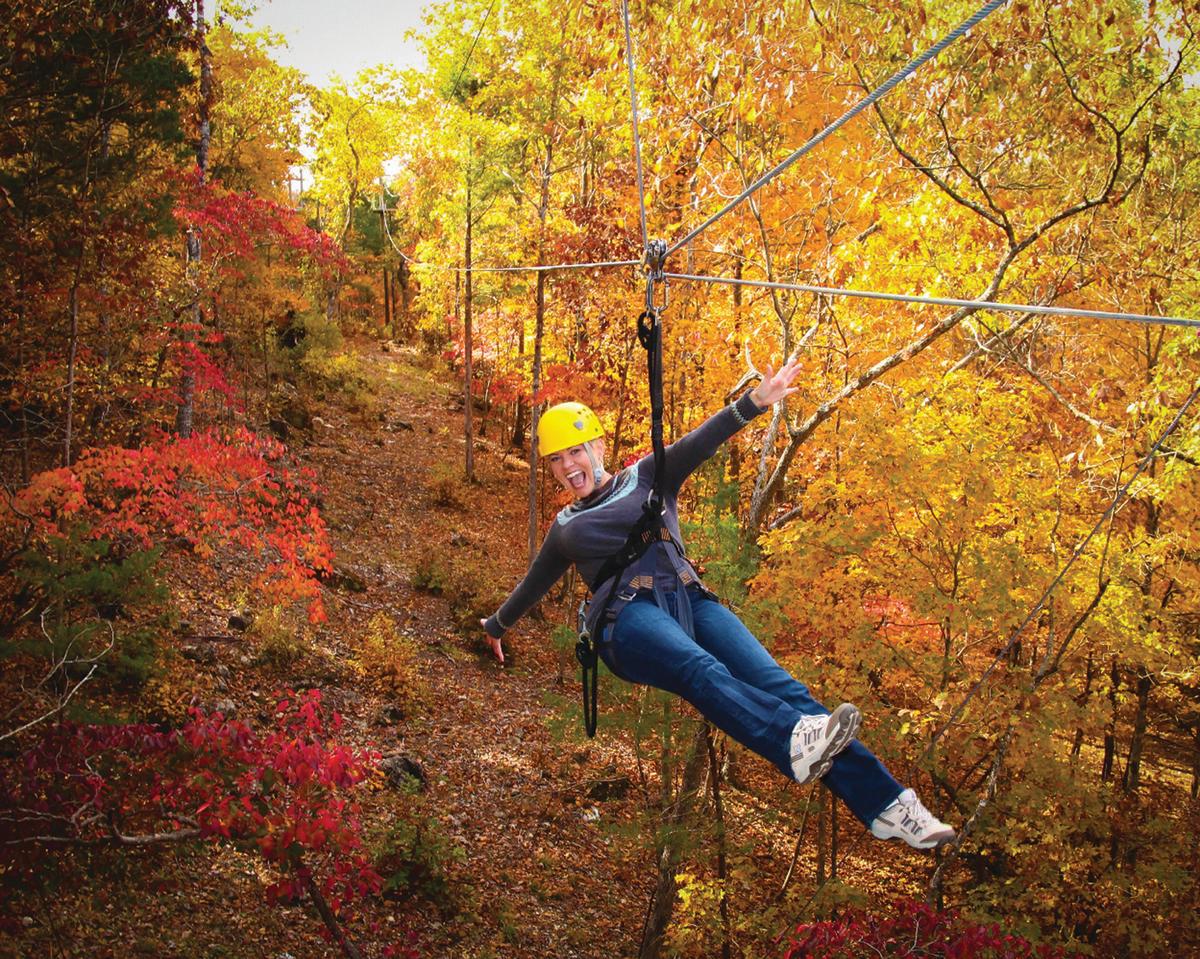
column 389, row 657
column 280, row 643
column 696, row 925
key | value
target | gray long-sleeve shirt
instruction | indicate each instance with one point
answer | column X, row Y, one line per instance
column 588, row 532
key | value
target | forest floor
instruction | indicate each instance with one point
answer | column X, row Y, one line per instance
column 530, row 840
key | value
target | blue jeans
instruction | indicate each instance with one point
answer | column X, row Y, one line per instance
column 738, row 687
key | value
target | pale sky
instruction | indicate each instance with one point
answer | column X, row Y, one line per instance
column 342, row 36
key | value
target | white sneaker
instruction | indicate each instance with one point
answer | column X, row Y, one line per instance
column 817, row 739
column 908, row 819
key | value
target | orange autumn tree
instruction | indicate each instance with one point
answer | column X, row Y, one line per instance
column 937, row 494
column 105, row 514
column 77, row 536
column 941, row 464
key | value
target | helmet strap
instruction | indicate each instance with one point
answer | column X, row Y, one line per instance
column 597, row 466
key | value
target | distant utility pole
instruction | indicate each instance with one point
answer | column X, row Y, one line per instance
column 295, row 182
column 380, row 204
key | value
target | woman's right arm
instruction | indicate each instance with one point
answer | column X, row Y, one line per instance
column 546, row 570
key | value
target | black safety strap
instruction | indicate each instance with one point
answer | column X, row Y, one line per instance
column 649, row 529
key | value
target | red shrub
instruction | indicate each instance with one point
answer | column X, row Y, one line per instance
column 285, row 792
column 909, row 931
column 208, row 491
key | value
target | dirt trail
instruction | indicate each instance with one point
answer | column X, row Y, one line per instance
column 543, row 873
column 541, row 877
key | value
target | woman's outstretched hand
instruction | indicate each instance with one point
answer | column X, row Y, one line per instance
column 776, row 384
column 497, row 649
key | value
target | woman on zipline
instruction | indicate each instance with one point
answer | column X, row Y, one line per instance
column 665, row 629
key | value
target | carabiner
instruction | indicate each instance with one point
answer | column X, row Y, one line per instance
column 656, row 254
column 651, row 282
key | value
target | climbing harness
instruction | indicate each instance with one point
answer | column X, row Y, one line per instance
column 633, row 111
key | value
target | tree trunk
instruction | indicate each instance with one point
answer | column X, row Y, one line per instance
column 99, row 413
column 1137, row 739
column 521, row 412
column 623, row 394
column 387, row 304
column 821, row 801
column 1077, row 745
column 468, row 349
column 72, row 353
column 185, row 412
column 1196, row 769
column 714, row 779
column 535, row 410
column 402, row 278
column 670, row 848
column 26, row 469
column 1110, row 731
column 540, row 325
column 833, row 838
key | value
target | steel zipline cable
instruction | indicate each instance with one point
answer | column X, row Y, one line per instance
column 467, row 59
column 943, row 300
column 633, row 112
column 875, row 95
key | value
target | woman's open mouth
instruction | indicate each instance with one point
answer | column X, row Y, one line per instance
column 577, row 479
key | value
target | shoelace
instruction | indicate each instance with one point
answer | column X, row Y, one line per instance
column 809, row 733
column 916, row 814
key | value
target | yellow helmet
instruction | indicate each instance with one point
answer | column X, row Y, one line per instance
column 566, row 425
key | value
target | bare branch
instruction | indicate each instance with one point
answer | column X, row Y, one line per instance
column 335, row 929
column 940, row 182
column 1011, row 356
column 975, row 178
column 800, row 434
column 57, row 709
column 115, row 838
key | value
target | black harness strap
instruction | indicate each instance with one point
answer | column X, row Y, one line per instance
column 649, row 529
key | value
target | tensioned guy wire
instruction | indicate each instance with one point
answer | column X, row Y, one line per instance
column 877, row 94
column 945, row 301
column 551, row 267
column 633, row 109
column 546, row 268
column 467, row 58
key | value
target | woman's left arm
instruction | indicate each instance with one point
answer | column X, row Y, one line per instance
column 686, row 454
